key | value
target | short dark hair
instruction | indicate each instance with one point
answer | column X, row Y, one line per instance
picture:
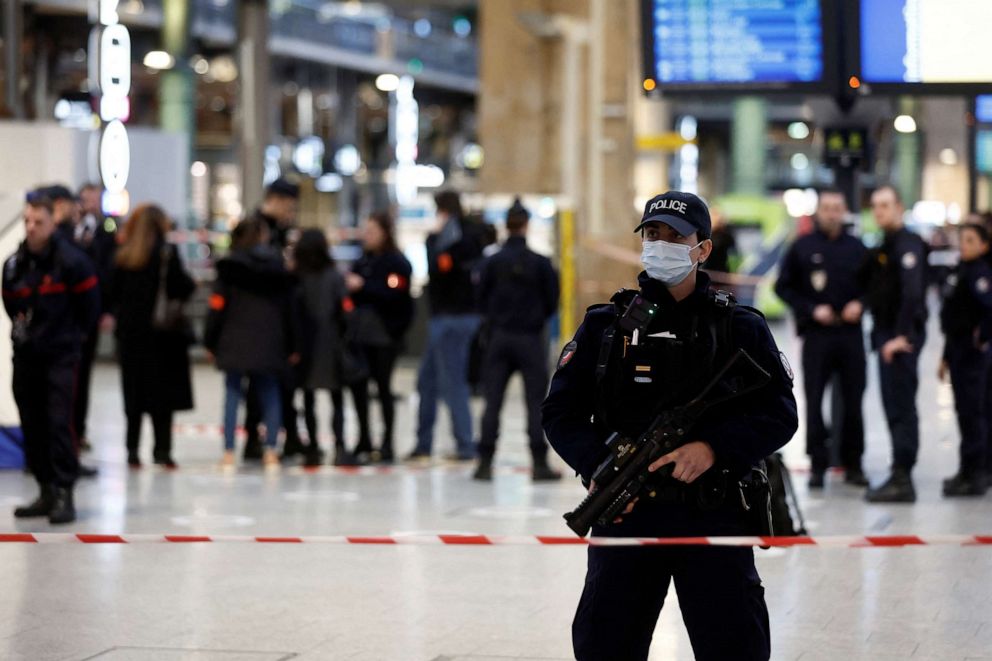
column 247, row 234
column 981, row 230
column 830, row 190
column 894, row 190
column 282, row 188
column 39, row 199
column 449, row 202
column 517, row 217
column 92, row 185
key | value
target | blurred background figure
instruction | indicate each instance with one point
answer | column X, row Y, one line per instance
column 278, row 212
column 50, row 294
column 966, row 319
column 724, row 246
column 518, row 293
column 325, row 363
column 150, row 286
column 820, row 279
column 452, row 252
column 65, row 209
column 379, row 283
column 250, row 331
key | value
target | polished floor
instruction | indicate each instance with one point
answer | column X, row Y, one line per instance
column 240, row 602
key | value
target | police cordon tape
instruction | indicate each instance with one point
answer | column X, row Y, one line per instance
column 827, row 541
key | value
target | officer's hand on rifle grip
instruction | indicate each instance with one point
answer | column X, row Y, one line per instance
column 691, row 460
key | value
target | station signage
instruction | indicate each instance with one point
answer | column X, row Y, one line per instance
column 110, row 81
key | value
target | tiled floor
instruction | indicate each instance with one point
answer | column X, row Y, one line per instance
column 263, row 603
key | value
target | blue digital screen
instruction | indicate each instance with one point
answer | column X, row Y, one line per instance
column 729, row 41
column 925, row 41
column 983, row 152
column 983, row 108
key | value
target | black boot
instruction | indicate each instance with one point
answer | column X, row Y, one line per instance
column 343, row 458
column 253, row 448
column 88, row 471
column 63, row 509
column 41, row 505
column 964, row 484
column 484, row 471
column 542, row 472
column 897, row 489
column 855, row 477
column 292, row 447
column 817, row 478
column 385, row 454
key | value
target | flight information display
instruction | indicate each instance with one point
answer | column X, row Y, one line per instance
column 926, row 41
column 719, row 42
column 983, row 108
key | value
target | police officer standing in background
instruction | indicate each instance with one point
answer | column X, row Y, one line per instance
column 51, row 295
column 518, row 292
column 65, row 210
column 820, row 280
column 896, row 273
column 617, row 382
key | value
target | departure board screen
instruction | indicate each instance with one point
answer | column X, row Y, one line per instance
column 715, row 43
column 983, row 108
column 926, row 41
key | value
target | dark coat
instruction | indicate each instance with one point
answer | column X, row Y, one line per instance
column 386, row 291
column 250, row 326
column 322, row 302
column 518, row 289
column 155, row 368
column 452, row 254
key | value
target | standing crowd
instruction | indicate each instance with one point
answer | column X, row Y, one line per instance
column 283, row 318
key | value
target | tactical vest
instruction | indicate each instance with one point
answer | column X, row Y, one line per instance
column 663, row 369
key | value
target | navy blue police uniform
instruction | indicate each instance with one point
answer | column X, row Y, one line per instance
column 53, row 301
column 896, row 282
column 518, row 292
column 820, row 270
column 603, row 386
column 966, row 320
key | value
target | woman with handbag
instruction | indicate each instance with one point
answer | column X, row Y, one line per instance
column 149, row 286
column 329, row 361
column 379, row 283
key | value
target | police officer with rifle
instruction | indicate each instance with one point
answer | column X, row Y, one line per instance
column 684, row 377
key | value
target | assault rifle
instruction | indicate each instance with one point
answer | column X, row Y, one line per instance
column 624, row 474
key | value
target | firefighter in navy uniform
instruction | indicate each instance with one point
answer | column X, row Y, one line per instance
column 518, row 292
column 820, row 280
column 966, row 319
column 613, row 382
column 896, row 280
column 51, row 294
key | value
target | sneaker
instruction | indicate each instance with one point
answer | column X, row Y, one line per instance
column 459, row 458
column 897, row 489
column 417, row 457
column 270, row 460
column 855, row 477
column 227, row 462
column 817, row 478
column 544, row 473
column 965, row 485
column 484, row 471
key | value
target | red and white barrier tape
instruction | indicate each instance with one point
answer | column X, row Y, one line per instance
column 828, row 541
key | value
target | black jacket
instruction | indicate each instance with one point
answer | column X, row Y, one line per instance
column 818, row 270
column 741, row 433
column 97, row 237
column 251, row 324
column 896, row 276
column 133, row 293
column 386, row 290
column 966, row 316
column 518, row 289
column 53, row 299
column 452, row 253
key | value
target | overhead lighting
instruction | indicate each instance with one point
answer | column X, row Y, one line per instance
column 329, row 183
column 159, row 60
column 948, row 156
column 198, row 169
column 798, row 130
column 387, row 82
column 223, row 69
column 347, row 160
column 799, row 161
column 905, row 124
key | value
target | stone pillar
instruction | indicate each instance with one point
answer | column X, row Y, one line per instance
column 253, row 68
column 176, row 90
column 906, row 157
column 749, row 137
column 13, row 26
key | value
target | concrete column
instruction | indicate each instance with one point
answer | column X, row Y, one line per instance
column 906, row 156
column 176, row 90
column 253, row 68
column 13, row 27
column 748, row 140
column 347, row 130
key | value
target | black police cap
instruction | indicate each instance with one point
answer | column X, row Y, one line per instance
column 683, row 212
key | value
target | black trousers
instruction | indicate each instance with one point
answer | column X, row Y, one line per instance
column 969, row 369
column 161, row 428
column 720, row 595
column 382, row 362
column 899, row 381
column 44, row 392
column 829, row 353
column 81, row 408
column 507, row 353
column 337, row 417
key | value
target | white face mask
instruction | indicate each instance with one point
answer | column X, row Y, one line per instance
column 669, row 263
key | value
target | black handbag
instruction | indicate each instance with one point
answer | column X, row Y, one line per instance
column 169, row 314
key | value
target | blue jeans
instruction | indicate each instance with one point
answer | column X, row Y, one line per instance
column 267, row 387
column 444, row 373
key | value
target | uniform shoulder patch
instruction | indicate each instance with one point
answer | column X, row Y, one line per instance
column 567, row 354
column 909, row 261
column 786, row 366
column 982, row 285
